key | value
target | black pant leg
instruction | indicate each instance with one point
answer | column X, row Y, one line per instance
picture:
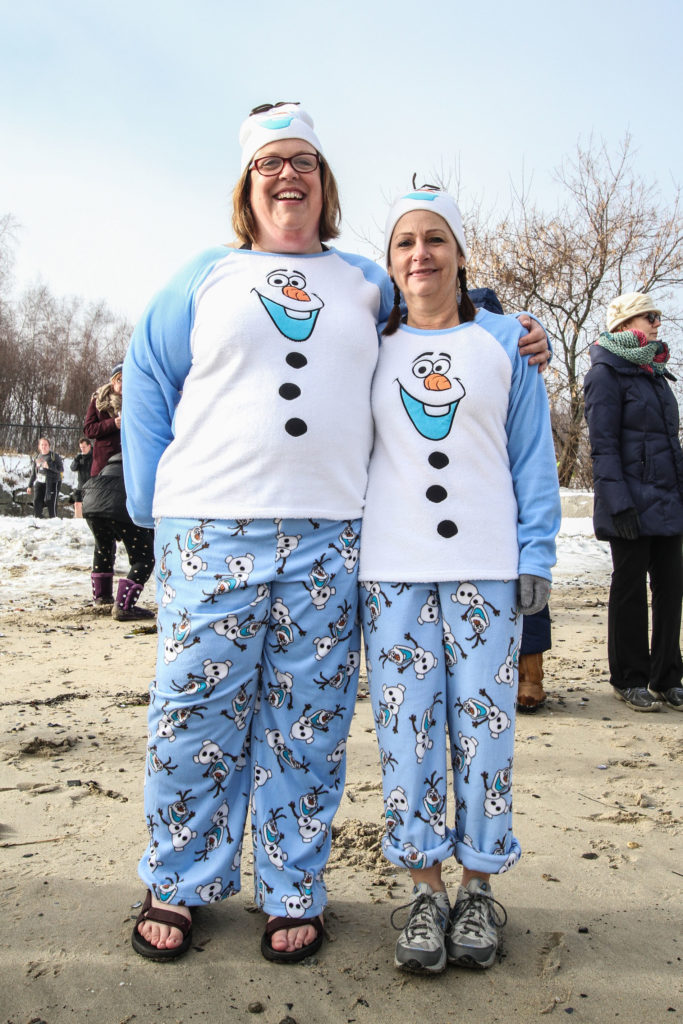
column 38, row 499
column 104, row 555
column 666, row 584
column 628, row 647
column 139, row 544
column 51, row 495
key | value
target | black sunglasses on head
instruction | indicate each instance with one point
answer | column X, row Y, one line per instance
column 265, row 107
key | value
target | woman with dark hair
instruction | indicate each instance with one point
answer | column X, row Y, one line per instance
column 633, row 424
column 461, row 513
column 104, row 510
column 247, row 432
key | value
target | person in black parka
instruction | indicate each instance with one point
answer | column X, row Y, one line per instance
column 46, row 475
column 81, row 466
column 633, row 422
column 104, row 510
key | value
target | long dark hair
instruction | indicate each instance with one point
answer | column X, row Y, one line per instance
column 466, row 308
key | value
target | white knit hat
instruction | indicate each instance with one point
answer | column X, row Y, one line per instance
column 426, row 199
column 286, row 121
column 628, row 305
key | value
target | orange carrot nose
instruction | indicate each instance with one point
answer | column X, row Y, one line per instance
column 295, row 293
column 437, row 382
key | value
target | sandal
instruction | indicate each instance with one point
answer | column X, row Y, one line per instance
column 160, row 916
column 530, row 694
column 294, row 956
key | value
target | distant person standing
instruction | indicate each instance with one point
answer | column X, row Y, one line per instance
column 46, row 476
column 633, row 419
column 104, row 509
column 103, row 420
column 81, row 466
column 536, row 639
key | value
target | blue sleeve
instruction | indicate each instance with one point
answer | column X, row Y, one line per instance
column 154, row 370
column 532, row 460
column 524, row 312
column 376, row 275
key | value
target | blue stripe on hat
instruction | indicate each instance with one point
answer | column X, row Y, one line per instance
column 277, row 122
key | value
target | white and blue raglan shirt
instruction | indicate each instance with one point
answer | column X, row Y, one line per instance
column 462, row 481
column 247, row 388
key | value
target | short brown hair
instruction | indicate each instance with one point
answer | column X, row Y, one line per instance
column 243, row 223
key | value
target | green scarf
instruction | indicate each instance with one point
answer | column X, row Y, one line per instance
column 633, row 346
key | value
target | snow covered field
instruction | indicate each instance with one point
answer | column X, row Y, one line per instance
column 51, row 558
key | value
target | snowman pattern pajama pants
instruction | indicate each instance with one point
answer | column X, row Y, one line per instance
column 442, row 660
column 256, row 680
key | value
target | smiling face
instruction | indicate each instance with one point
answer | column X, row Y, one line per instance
column 288, row 205
column 424, row 259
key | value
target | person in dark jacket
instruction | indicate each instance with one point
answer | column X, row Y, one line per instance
column 104, row 509
column 103, row 420
column 633, row 419
column 536, row 639
column 46, row 476
column 81, row 466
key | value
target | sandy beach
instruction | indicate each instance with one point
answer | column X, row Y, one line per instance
column 594, row 906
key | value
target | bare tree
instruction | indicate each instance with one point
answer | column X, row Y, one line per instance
column 53, row 354
column 611, row 233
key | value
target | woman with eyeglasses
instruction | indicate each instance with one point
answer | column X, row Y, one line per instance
column 247, row 432
column 461, row 513
column 633, row 423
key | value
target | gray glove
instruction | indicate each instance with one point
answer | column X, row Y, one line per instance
column 532, row 594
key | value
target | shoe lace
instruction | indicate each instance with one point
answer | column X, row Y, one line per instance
column 480, row 907
column 423, row 915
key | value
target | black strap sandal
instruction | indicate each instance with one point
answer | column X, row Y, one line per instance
column 294, row 956
column 160, row 916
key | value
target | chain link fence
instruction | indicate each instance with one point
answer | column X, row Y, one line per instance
column 23, row 437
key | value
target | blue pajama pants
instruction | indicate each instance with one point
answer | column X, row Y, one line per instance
column 442, row 659
column 256, row 680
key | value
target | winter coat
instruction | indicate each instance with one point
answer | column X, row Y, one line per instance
column 81, row 465
column 100, row 427
column 104, row 495
column 53, row 473
column 637, row 459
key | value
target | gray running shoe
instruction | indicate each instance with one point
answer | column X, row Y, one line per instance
column 421, row 946
column 638, row 697
column 673, row 697
column 476, row 920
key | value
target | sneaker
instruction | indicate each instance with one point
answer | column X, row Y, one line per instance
column 637, row 697
column 673, row 697
column 476, row 920
column 421, row 946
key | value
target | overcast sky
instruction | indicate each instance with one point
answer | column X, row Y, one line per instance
column 119, row 121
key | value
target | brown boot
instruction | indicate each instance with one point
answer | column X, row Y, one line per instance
column 530, row 694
